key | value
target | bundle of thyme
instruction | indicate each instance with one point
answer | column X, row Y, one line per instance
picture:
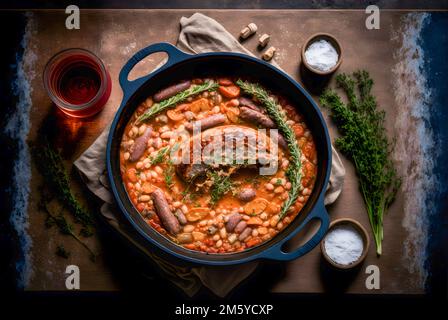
column 363, row 139
column 50, row 165
column 293, row 173
column 181, row 96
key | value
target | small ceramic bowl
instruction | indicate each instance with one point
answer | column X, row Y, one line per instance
column 334, row 43
column 363, row 233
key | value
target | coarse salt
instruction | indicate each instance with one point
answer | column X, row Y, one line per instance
column 321, row 55
column 344, row 245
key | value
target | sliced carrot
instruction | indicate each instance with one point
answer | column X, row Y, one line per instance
column 256, row 206
column 225, row 81
column 190, row 246
column 252, row 242
column 298, row 130
column 230, row 91
column 175, row 115
column 140, row 207
column 197, row 214
column 255, row 221
column 148, row 188
column 201, row 104
column 132, row 175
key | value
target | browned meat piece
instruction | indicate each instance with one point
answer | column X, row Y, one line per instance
column 190, row 172
column 169, row 221
column 171, row 91
column 233, row 221
column 256, row 117
column 208, row 122
column 139, row 146
column 247, row 194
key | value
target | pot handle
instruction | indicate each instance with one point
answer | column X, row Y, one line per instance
column 129, row 87
column 319, row 212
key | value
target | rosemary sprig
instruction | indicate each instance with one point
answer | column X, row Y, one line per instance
column 363, row 139
column 181, row 96
column 50, row 165
column 293, row 172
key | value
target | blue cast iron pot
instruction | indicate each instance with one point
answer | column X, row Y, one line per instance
column 181, row 66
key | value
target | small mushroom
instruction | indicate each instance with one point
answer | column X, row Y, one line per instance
column 248, row 30
column 263, row 40
column 269, row 54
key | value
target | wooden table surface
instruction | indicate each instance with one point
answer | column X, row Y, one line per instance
column 114, row 35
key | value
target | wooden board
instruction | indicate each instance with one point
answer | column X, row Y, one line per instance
column 114, row 35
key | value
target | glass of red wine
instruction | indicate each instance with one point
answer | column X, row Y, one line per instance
column 77, row 82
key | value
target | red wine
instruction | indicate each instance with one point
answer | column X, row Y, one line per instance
column 77, row 82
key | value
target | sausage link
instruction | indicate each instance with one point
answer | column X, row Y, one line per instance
column 139, row 146
column 246, row 102
column 243, row 235
column 208, row 122
column 233, row 221
column 167, row 218
column 256, row 117
column 171, row 91
column 240, row 226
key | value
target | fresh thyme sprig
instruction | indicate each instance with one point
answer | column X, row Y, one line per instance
column 221, row 184
column 50, row 165
column 363, row 139
column 63, row 225
column 160, row 156
column 168, row 174
column 293, row 173
column 181, row 96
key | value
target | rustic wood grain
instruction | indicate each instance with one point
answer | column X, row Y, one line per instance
column 114, row 35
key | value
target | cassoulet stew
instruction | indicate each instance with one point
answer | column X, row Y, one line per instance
column 217, row 207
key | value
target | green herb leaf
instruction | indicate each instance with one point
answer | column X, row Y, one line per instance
column 50, row 165
column 363, row 139
column 160, row 156
column 181, row 96
column 221, row 184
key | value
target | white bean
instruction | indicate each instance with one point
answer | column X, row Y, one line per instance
column 144, row 198
column 223, row 233
column 269, row 186
column 142, row 129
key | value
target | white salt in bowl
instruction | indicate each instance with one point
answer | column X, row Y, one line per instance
column 357, row 227
column 334, row 43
